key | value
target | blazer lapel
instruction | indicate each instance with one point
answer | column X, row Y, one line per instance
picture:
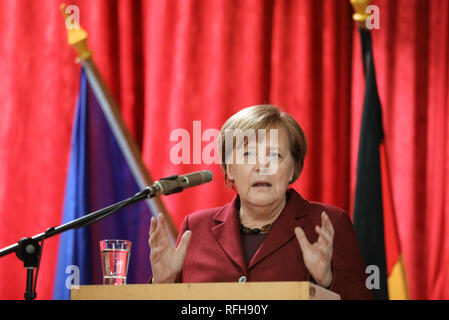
column 227, row 233
column 293, row 215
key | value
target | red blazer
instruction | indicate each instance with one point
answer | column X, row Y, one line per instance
column 215, row 252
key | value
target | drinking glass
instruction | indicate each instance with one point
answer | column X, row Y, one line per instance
column 115, row 260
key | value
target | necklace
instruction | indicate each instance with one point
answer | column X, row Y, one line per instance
column 264, row 229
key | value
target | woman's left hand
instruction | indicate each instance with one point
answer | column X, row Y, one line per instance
column 317, row 256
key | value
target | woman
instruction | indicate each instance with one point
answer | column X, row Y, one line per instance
column 268, row 232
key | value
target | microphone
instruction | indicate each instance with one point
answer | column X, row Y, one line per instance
column 175, row 183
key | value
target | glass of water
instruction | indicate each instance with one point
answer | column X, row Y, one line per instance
column 115, row 260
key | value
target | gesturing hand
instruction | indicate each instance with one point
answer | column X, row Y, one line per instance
column 166, row 260
column 317, row 256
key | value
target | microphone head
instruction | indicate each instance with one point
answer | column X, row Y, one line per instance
column 208, row 176
column 195, row 178
column 175, row 183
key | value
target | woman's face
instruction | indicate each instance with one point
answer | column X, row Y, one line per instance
column 263, row 168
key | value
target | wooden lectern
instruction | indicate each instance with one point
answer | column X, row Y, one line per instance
column 206, row 291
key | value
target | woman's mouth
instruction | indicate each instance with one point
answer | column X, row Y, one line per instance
column 261, row 184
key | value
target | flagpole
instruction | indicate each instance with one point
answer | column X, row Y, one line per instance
column 360, row 15
column 77, row 38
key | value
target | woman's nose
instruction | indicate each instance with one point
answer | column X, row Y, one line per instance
column 262, row 162
column 263, row 159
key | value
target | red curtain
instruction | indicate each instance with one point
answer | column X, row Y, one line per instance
column 169, row 63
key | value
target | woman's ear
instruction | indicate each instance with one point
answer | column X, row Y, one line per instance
column 230, row 171
column 291, row 176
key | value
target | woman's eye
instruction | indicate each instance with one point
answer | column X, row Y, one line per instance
column 275, row 155
column 249, row 153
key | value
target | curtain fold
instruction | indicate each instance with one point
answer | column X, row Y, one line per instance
column 170, row 63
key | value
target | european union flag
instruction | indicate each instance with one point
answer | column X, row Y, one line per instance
column 101, row 172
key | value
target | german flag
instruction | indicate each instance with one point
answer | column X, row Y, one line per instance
column 374, row 217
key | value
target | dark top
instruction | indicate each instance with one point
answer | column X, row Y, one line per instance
column 250, row 243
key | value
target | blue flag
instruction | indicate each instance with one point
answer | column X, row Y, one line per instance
column 101, row 172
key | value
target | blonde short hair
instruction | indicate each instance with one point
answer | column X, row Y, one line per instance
column 264, row 117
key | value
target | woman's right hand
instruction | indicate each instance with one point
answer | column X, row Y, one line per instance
column 166, row 260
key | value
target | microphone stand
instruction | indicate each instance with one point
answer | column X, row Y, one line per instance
column 29, row 251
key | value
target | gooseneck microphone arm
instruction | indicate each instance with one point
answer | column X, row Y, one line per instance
column 81, row 222
column 29, row 251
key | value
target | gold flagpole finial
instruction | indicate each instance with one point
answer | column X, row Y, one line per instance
column 76, row 36
column 360, row 14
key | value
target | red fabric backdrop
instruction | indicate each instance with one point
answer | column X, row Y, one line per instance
column 171, row 62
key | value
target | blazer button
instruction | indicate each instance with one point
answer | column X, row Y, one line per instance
column 242, row 279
